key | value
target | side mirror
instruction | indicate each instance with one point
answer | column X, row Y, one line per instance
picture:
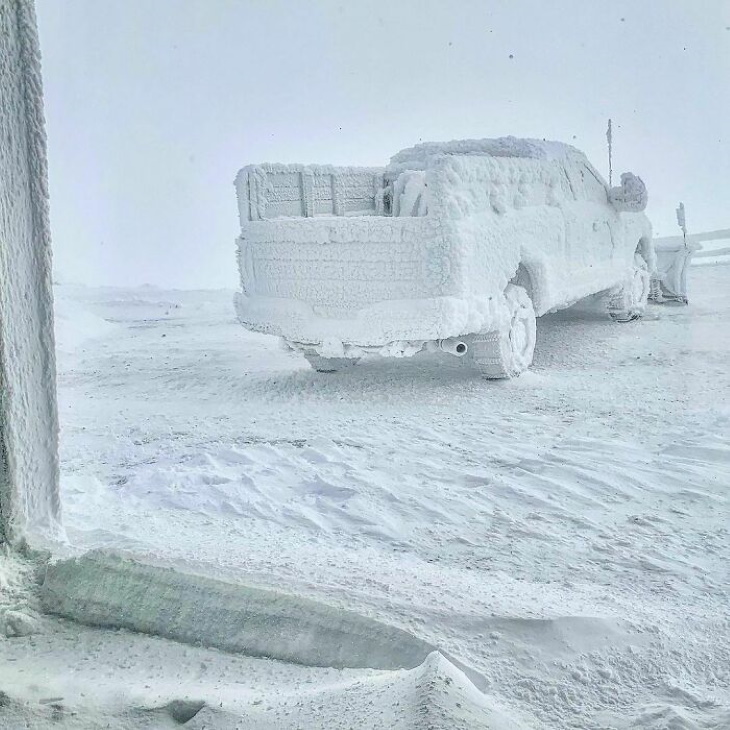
column 631, row 196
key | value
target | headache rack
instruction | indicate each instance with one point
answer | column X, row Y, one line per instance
column 267, row 191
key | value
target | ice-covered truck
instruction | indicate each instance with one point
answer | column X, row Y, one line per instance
column 454, row 247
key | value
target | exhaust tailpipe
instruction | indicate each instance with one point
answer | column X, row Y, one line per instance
column 454, row 347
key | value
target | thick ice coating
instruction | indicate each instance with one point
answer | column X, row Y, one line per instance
column 345, row 261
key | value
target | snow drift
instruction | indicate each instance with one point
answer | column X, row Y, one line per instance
column 110, row 591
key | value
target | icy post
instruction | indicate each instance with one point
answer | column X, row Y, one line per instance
column 29, row 498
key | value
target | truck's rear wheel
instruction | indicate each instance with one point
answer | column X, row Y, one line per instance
column 329, row 364
column 507, row 352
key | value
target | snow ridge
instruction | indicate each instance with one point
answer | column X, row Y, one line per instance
column 103, row 589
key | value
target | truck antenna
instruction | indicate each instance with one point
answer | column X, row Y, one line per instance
column 609, row 137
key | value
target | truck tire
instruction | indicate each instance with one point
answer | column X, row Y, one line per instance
column 629, row 302
column 508, row 352
column 329, row 364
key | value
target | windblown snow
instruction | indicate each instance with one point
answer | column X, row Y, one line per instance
column 563, row 537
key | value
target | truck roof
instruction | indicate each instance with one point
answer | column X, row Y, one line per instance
column 540, row 149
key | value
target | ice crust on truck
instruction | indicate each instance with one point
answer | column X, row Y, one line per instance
column 453, row 247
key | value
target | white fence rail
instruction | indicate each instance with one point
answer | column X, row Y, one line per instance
column 711, row 247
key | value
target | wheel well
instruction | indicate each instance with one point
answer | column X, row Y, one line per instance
column 524, row 278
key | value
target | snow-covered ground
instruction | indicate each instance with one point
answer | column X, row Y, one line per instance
column 713, row 252
column 563, row 535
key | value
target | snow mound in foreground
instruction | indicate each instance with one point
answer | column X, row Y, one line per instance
column 422, row 687
column 433, row 695
column 103, row 589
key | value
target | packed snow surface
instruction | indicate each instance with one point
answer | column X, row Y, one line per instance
column 564, row 536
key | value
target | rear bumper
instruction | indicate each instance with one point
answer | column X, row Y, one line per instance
column 376, row 325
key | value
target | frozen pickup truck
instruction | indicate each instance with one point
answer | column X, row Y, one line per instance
column 453, row 247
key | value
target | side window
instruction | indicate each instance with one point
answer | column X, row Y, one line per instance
column 572, row 181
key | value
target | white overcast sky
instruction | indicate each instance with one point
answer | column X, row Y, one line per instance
column 153, row 105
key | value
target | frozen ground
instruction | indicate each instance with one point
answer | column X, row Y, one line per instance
column 564, row 535
column 713, row 253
